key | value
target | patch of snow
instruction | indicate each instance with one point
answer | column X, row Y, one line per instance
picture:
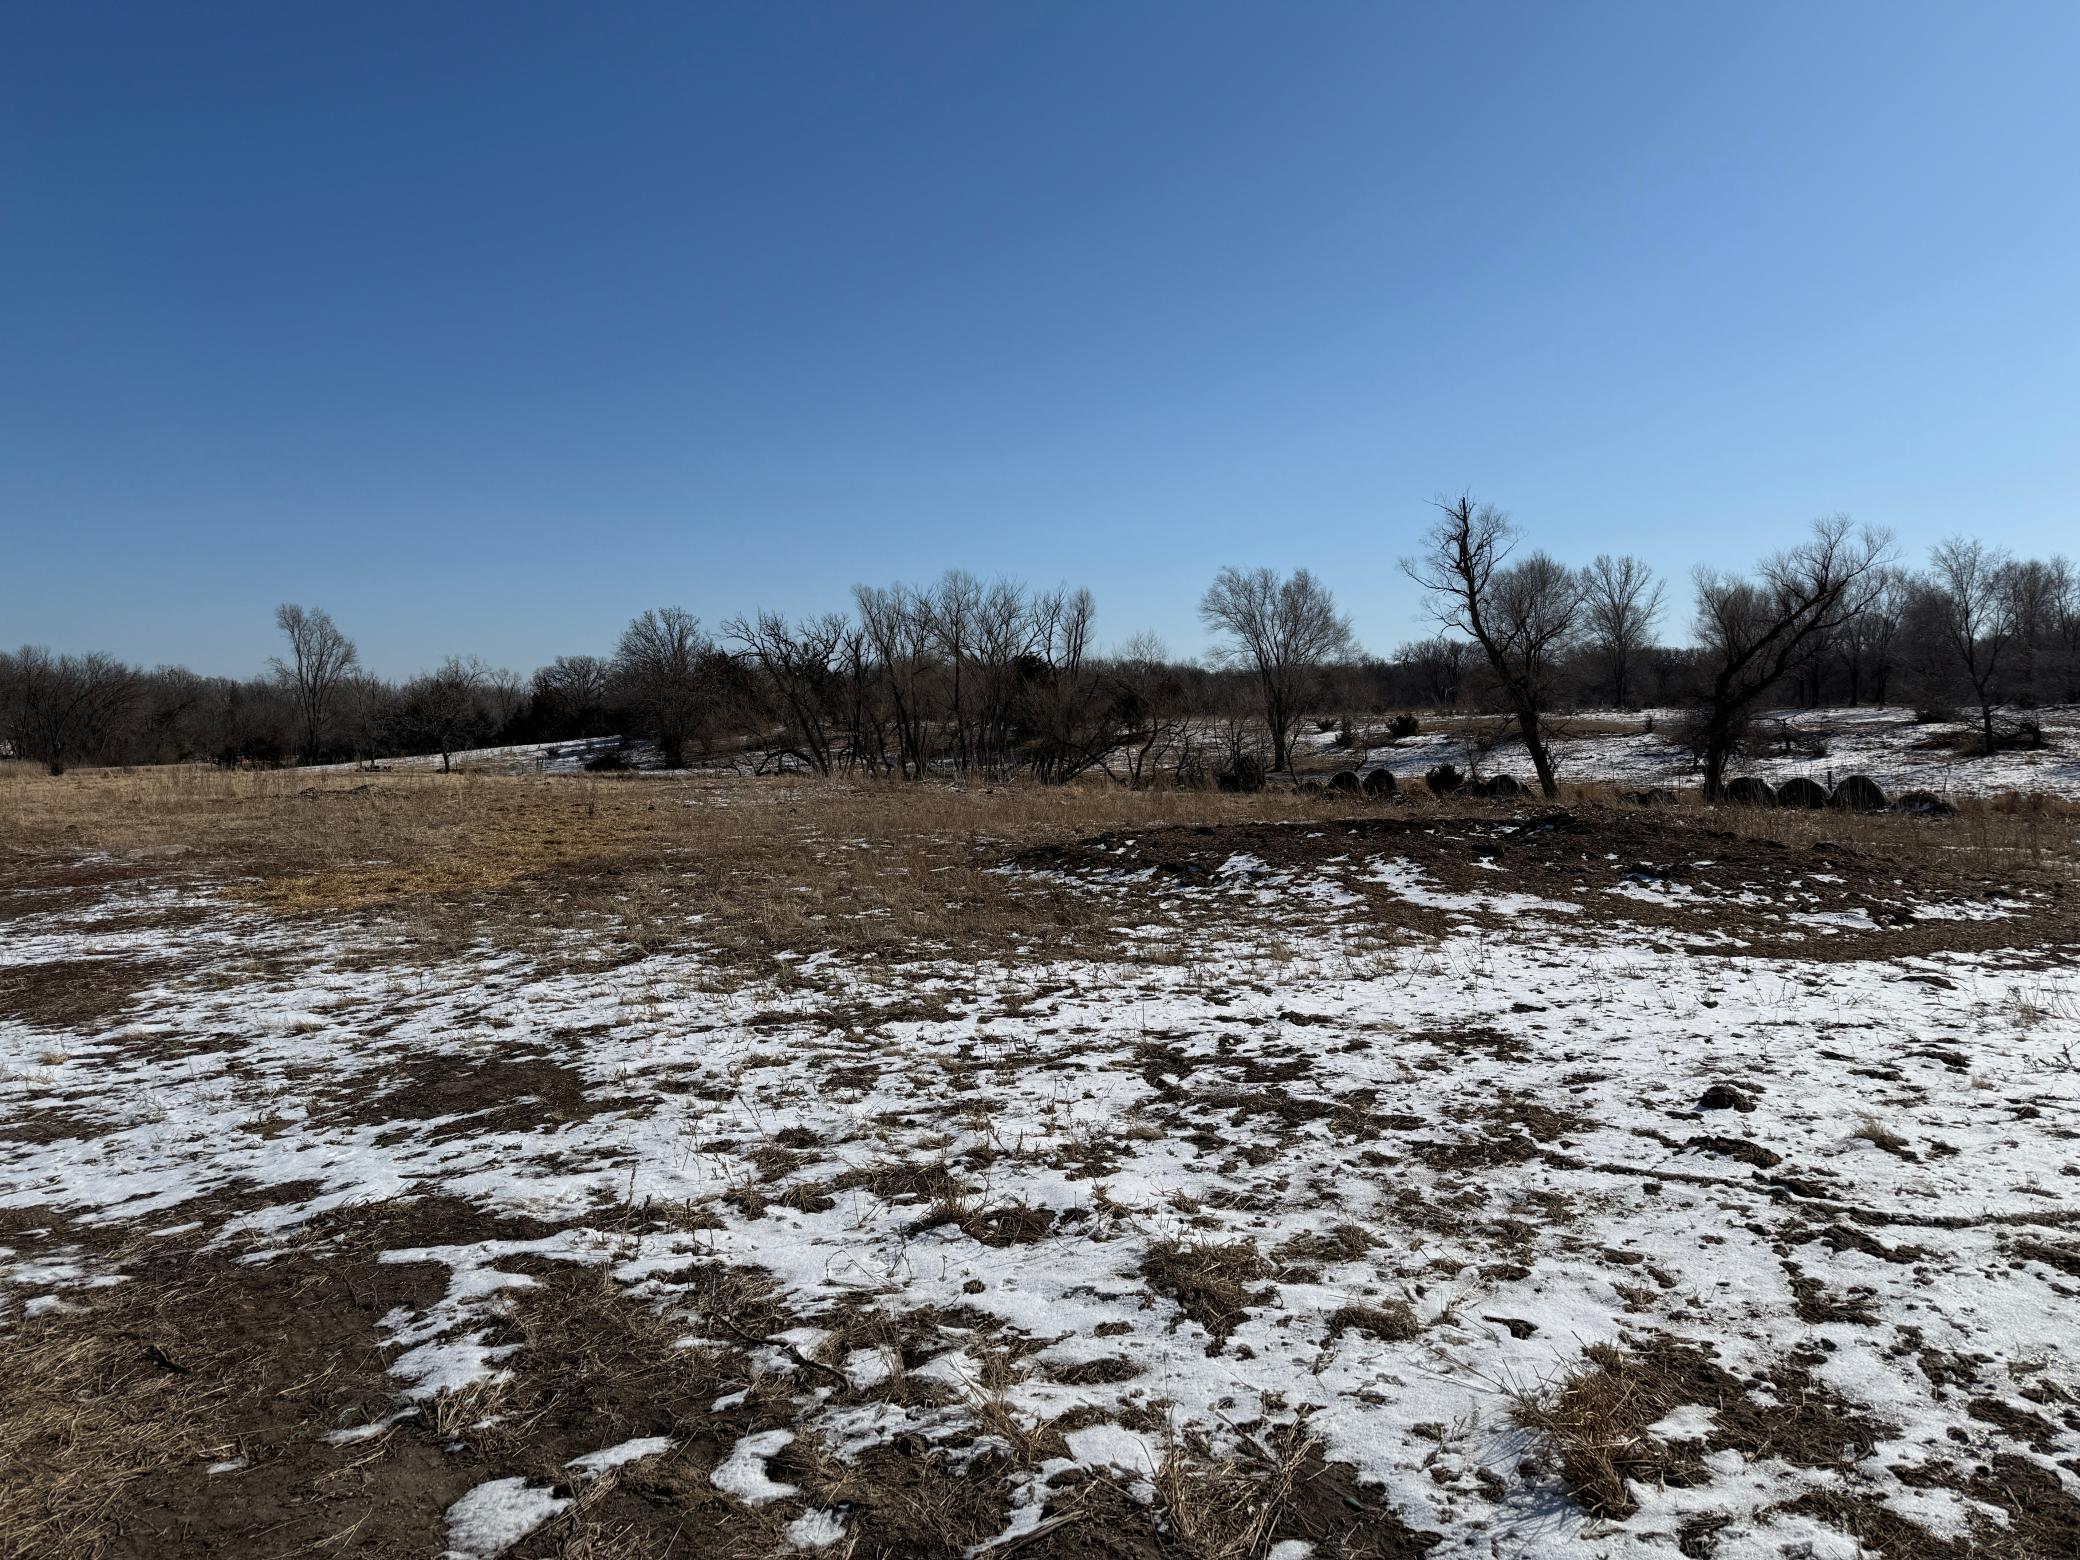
column 494, row 1516
column 743, row 1472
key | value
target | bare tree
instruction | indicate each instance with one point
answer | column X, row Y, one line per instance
column 1868, row 642
column 2065, row 627
column 800, row 667
column 1522, row 616
column 1436, row 667
column 1284, row 631
column 60, row 709
column 503, row 695
column 662, row 661
column 1066, row 708
column 574, row 690
column 1973, row 591
column 896, row 637
column 368, row 710
column 2037, row 589
column 1622, row 600
column 320, row 657
column 444, row 710
column 1751, row 632
column 1153, row 711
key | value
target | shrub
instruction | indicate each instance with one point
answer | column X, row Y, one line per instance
column 1242, row 772
column 1403, row 726
column 1444, row 779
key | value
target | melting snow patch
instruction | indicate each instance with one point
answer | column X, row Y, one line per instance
column 816, row 1530
column 743, row 1472
column 1112, row 1446
column 593, row 1464
column 1408, row 881
column 493, row 1517
column 1690, row 1422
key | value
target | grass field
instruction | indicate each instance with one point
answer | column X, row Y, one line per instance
column 716, row 1166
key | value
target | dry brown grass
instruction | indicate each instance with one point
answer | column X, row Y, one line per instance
column 765, row 864
column 2000, row 836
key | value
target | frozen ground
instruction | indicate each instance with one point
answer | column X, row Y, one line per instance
column 1463, row 1185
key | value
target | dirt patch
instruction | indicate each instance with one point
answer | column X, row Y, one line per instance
column 467, row 1096
column 1664, row 871
column 114, row 1407
column 78, row 995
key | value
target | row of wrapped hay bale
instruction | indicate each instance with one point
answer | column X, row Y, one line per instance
column 1856, row 793
column 1444, row 780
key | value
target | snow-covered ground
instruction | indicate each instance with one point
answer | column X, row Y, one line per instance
column 544, row 758
column 1374, row 1137
column 1887, row 745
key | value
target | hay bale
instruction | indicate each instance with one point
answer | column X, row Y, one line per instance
column 1504, row 788
column 1858, row 793
column 1748, row 791
column 1344, row 780
column 1799, row 792
column 1926, row 803
column 1379, row 784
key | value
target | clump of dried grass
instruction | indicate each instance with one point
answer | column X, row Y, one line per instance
column 1395, row 1321
column 1209, row 1280
column 1596, row 1419
column 1225, row 1505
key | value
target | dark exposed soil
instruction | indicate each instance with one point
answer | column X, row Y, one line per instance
column 77, row 994
column 1589, row 856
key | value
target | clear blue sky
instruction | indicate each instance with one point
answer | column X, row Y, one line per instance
column 485, row 326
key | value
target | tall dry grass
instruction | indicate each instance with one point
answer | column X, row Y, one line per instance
column 761, row 863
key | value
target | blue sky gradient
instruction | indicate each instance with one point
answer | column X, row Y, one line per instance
column 485, row 326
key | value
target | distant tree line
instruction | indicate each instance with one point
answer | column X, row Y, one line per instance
column 990, row 679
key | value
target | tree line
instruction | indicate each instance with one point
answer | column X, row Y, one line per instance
column 991, row 679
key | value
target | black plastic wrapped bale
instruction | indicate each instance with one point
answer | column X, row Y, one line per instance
column 1799, row 792
column 1858, row 793
column 1750, row 792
